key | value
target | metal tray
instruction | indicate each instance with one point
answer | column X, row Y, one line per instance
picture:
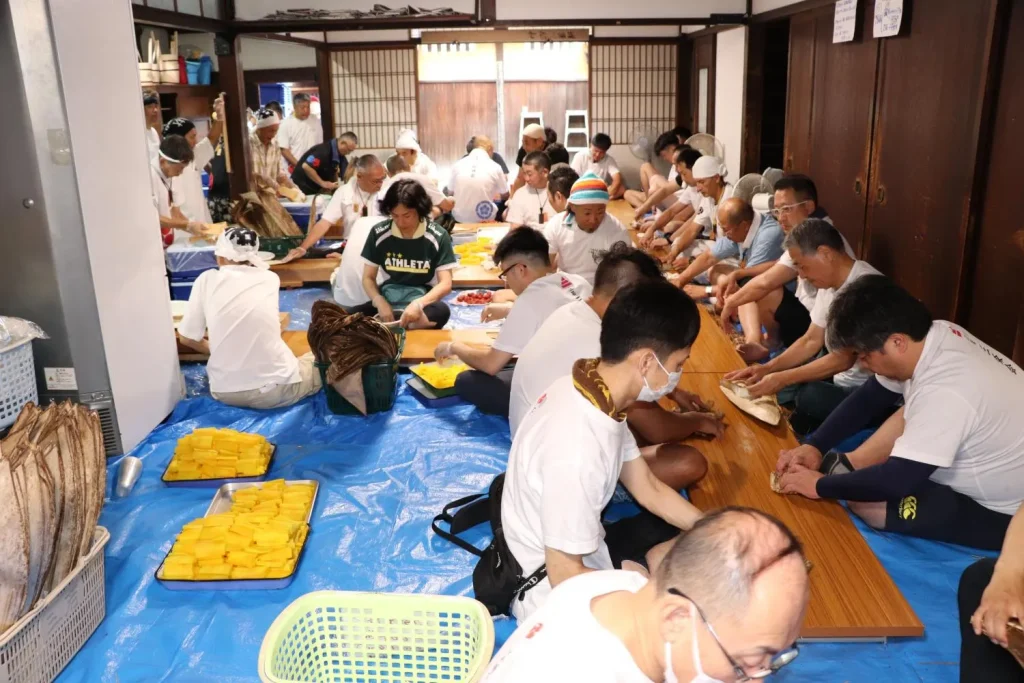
column 432, row 398
column 217, row 483
column 222, row 503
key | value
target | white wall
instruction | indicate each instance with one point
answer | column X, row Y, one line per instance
column 260, row 53
column 385, row 36
column 730, row 81
column 636, row 31
column 760, row 6
column 614, row 9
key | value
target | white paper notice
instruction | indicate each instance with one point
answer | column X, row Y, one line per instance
column 888, row 17
column 60, row 379
column 845, row 25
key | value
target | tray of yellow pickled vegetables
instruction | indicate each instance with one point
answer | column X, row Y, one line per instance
column 209, row 457
column 440, row 378
column 251, row 538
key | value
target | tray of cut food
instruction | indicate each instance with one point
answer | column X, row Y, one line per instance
column 210, row 457
column 473, row 297
column 251, row 538
column 439, row 378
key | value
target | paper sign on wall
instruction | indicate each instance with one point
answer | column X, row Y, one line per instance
column 888, row 17
column 60, row 379
column 845, row 24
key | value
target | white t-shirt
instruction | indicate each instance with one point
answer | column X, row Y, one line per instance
column 298, row 136
column 569, row 333
column 426, row 167
column 856, row 375
column 805, row 291
column 565, row 461
column 152, row 143
column 529, row 206
column 540, row 299
column 963, row 413
column 690, row 195
column 239, row 305
column 436, row 196
column 707, row 211
column 160, row 185
column 347, row 204
column 475, row 183
column 348, row 277
column 576, row 248
column 188, row 187
column 562, row 641
column 583, row 162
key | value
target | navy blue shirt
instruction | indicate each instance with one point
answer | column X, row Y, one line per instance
column 326, row 161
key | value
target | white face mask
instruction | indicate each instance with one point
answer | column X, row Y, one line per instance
column 651, row 395
column 700, row 676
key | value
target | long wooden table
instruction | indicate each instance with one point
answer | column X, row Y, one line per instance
column 305, row 271
column 419, row 344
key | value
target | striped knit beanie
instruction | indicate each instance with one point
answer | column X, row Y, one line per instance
column 589, row 189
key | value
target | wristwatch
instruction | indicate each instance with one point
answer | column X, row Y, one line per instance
column 709, row 290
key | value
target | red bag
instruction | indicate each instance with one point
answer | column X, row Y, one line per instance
column 182, row 72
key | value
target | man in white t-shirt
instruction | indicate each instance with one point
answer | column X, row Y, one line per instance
column 154, row 121
column 187, row 188
column 709, row 178
column 949, row 464
column 298, row 133
column 574, row 445
column 477, row 183
column 522, row 256
column 573, row 332
column 584, row 229
column 597, row 161
column 817, row 250
column 652, row 182
column 408, row 147
column 686, row 199
column 355, row 199
column 398, row 169
column 691, row 621
column 250, row 366
column 173, row 157
column 778, row 299
column 531, row 206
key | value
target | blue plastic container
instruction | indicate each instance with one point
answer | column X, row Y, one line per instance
column 192, row 70
column 181, row 288
column 205, row 70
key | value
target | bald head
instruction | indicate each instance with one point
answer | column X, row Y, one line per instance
column 735, row 216
column 483, row 142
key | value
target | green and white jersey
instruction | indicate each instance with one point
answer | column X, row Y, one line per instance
column 411, row 261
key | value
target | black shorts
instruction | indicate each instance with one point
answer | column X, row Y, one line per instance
column 939, row 513
column 632, row 537
column 792, row 317
column 437, row 312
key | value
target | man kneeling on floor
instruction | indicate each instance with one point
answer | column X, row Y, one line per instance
column 526, row 268
column 574, row 445
column 250, row 366
column 573, row 332
column 725, row 604
column 948, row 465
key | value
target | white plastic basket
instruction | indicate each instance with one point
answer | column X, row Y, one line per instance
column 351, row 637
column 40, row 644
column 17, row 381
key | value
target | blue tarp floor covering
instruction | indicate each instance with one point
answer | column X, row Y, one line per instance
column 382, row 479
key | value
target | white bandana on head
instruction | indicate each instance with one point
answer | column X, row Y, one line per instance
column 265, row 118
column 241, row 245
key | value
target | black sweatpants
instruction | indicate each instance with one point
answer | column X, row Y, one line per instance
column 489, row 393
column 981, row 661
column 437, row 312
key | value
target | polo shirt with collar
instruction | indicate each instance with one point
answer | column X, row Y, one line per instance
column 348, row 204
column 410, row 261
column 763, row 243
column 323, row 158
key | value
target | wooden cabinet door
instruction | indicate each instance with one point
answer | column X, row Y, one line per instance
column 996, row 302
column 927, row 123
column 842, row 113
column 800, row 85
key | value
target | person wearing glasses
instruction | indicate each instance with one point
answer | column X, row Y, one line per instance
column 691, row 622
column 584, row 228
column 749, row 243
column 540, row 290
column 816, row 249
column 778, row 299
column 574, row 445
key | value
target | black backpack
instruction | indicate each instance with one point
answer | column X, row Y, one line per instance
column 497, row 577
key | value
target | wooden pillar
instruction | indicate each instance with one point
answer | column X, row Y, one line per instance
column 326, row 85
column 232, row 83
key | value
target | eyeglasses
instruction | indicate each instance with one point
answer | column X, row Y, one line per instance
column 778, row 660
column 787, row 208
column 503, row 275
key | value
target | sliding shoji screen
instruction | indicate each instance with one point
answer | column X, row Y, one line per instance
column 632, row 86
column 374, row 92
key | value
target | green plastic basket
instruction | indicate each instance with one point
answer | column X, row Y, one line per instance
column 352, row 637
column 380, row 384
column 280, row 246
